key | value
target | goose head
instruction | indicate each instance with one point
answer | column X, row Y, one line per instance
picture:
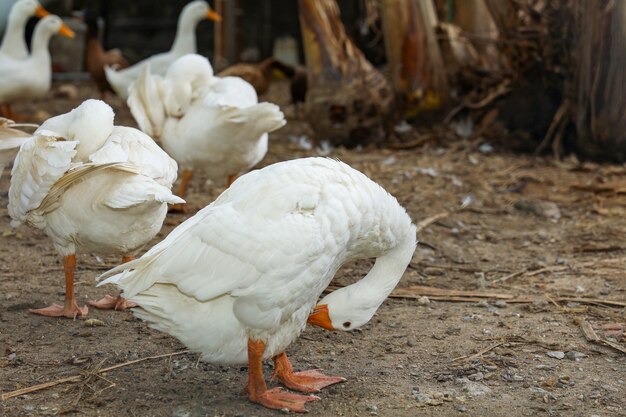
column 342, row 310
column 189, row 75
column 196, row 11
column 90, row 124
column 24, row 9
column 51, row 25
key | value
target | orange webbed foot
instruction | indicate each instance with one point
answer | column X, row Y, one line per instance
column 113, row 303
column 309, row 381
column 278, row 399
column 58, row 310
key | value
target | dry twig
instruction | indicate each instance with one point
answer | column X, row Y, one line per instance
column 77, row 378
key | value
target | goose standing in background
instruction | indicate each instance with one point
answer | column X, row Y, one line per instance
column 204, row 122
column 24, row 77
column 92, row 187
column 184, row 43
column 238, row 281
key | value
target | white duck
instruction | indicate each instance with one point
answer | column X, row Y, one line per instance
column 30, row 77
column 204, row 122
column 184, row 43
column 237, row 281
column 92, row 187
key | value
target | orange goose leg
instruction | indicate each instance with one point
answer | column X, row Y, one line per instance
column 114, row 303
column 274, row 398
column 306, row 381
column 70, row 309
column 182, row 190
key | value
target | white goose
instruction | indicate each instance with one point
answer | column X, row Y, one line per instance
column 13, row 43
column 29, row 77
column 204, row 122
column 237, row 281
column 184, row 43
column 91, row 186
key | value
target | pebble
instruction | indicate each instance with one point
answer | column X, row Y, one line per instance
column 501, row 304
column 478, row 376
column 433, row 271
column 461, row 408
column 556, row 354
column 539, row 208
column 423, row 301
column 410, row 342
column 473, row 389
column 94, row 323
column 574, row 355
column 373, row 409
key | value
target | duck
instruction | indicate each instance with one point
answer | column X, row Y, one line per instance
column 239, row 281
column 96, row 58
column 12, row 136
column 259, row 75
column 184, row 43
column 91, row 186
column 30, row 77
column 205, row 122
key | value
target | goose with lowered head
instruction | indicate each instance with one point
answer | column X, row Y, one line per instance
column 184, row 43
column 91, row 187
column 238, row 281
column 204, row 122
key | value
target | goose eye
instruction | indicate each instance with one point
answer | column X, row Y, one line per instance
column 347, row 324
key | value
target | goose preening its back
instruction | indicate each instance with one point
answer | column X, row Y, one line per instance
column 93, row 187
column 238, row 281
column 184, row 43
column 204, row 122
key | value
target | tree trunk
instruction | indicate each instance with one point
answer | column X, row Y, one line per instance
column 415, row 60
column 348, row 101
column 600, row 114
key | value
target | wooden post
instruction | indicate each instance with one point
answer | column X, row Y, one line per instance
column 415, row 59
column 225, row 34
column 348, row 101
column 599, row 113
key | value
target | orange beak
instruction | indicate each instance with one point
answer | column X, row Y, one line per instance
column 66, row 31
column 41, row 12
column 212, row 15
column 319, row 317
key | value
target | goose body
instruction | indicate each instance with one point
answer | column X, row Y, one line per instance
column 204, row 122
column 90, row 185
column 249, row 268
column 29, row 77
column 184, row 43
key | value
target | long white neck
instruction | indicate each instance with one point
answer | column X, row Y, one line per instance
column 13, row 42
column 41, row 39
column 185, row 40
column 374, row 288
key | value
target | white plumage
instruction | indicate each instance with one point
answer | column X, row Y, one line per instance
column 24, row 76
column 13, row 42
column 11, row 138
column 204, row 122
column 90, row 185
column 184, row 43
column 249, row 268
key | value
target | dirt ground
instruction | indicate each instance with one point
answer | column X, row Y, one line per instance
column 484, row 356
